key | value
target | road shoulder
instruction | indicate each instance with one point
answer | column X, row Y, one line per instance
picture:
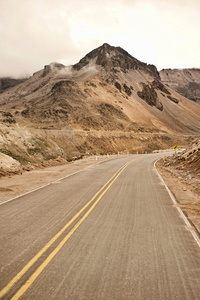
column 184, row 192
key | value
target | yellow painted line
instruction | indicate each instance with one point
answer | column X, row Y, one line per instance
column 44, row 249
column 33, row 277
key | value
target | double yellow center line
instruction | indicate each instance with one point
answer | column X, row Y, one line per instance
column 95, row 199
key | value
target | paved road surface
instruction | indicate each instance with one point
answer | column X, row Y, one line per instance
column 109, row 232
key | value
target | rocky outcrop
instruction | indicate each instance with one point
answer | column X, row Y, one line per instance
column 173, row 99
column 7, row 117
column 127, row 89
column 149, row 94
column 124, row 88
column 156, row 84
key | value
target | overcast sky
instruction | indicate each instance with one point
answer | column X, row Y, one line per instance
column 34, row 33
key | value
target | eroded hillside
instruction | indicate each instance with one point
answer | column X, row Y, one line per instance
column 109, row 102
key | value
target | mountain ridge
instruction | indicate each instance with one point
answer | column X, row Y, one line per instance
column 107, row 102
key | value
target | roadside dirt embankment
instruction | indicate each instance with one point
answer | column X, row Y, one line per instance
column 181, row 172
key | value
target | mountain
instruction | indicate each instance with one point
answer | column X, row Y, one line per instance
column 184, row 81
column 107, row 102
column 113, row 58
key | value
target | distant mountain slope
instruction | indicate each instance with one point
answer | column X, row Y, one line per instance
column 184, row 81
column 6, row 83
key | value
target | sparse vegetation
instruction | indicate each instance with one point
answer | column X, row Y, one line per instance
column 22, row 159
column 33, row 151
column 48, row 157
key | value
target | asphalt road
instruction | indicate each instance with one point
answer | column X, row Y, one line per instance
column 108, row 232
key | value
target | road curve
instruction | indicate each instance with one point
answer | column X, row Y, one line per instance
column 110, row 232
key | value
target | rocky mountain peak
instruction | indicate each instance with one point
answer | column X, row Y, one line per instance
column 114, row 58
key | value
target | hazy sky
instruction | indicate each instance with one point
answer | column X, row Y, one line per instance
column 34, row 33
